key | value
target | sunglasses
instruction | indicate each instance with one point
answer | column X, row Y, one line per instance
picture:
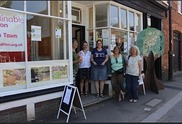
column 116, row 60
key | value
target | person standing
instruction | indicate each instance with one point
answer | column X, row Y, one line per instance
column 75, row 62
column 84, row 67
column 99, row 57
column 118, row 70
column 75, row 55
column 133, row 71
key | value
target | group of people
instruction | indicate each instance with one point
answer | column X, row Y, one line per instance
column 91, row 65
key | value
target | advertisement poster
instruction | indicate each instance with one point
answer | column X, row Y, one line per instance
column 40, row 74
column 105, row 33
column 59, row 72
column 14, row 77
column 35, row 33
column 11, row 35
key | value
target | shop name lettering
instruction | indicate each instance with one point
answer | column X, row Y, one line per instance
column 6, row 35
column 4, row 20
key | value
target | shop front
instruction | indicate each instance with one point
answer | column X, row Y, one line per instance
column 35, row 41
column 36, row 44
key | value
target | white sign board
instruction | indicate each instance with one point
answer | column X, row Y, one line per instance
column 35, row 33
column 11, row 31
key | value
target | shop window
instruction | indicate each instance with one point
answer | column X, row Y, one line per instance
column 138, row 22
column 101, row 15
column 91, row 43
column 19, row 5
column 40, row 7
column 123, row 19
column 46, row 39
column 76, row 15
column 114, row 16
column 131, row 21
column 120, row 37
column 90, row 17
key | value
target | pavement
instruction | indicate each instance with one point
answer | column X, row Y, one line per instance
column 163, row 107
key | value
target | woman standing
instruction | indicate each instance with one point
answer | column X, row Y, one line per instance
column 75, row 63
column 84, row 67
column 133, row 71
column 99, row 58
column 75, row 56
column 117, row 66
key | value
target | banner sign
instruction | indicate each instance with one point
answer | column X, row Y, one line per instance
column 12, row 31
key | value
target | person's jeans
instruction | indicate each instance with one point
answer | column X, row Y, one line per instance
column 132, row 86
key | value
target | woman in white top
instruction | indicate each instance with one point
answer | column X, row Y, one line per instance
column 133, row 71
column 84, row 67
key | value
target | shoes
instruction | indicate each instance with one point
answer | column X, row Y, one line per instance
column 97, row 95
column 101, row 95
column 123, row 97
column 119, row 100
column 86, row 93
column 135, row 100
column 131, row 100
column 81, row 93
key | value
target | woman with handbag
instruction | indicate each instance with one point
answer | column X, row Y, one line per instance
column 118, row 69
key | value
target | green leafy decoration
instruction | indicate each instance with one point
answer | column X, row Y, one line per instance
column 151, row 40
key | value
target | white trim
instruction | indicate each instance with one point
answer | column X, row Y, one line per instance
column 179, row 7
column 165, row 1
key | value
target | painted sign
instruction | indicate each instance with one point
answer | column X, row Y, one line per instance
column 12, row 31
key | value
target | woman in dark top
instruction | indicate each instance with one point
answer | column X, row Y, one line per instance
column 99, row 58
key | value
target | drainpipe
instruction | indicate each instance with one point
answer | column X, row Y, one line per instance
column 170, row 53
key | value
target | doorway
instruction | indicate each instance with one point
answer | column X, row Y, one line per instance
column 176, row 58
column 78, row 32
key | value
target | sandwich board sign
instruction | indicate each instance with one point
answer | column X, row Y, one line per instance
column 70, row 100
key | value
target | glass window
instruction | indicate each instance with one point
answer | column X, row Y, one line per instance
column 132, row 40
column 45, row 34
column 76, row 15
column 40, row 7
column 57, row 8
column 101, row 15
column 90, row 17
column 131, row 21
column 138, row 22
column 91, row 43
column 114, row 16
column 120, row 37
column 123, row 19
column 19, row 5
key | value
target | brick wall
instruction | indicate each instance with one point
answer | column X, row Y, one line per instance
column 14, row 115
column 176, row 26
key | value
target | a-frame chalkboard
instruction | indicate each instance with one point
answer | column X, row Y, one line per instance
column 71, row 99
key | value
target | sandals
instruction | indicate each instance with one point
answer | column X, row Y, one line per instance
column 97, row 95
column 101, row 95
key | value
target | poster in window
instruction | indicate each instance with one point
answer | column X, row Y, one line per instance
column 40, row 74
column 12, row 31
column 35, row 33
column 14, row 77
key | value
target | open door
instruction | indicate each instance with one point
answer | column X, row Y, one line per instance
column 78, row 32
